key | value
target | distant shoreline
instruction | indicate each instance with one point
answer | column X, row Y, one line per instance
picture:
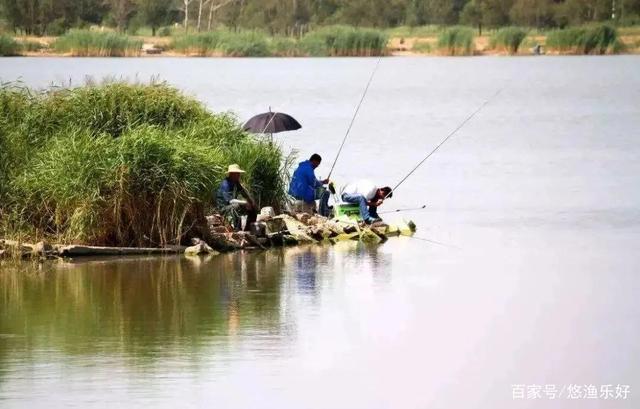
column 396, row 46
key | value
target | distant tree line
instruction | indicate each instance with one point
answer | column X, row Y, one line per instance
column 52, row 17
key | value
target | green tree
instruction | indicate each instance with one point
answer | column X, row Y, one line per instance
column 121, row 11
column 154, row 13
column 495, row 13
column 532, row 13
column 472, row 14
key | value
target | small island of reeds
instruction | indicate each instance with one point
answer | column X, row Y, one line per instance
column 120, row 164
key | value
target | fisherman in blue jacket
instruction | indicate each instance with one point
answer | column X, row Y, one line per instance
column 307, row 188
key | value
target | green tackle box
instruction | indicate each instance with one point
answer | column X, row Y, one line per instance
column 352, row 211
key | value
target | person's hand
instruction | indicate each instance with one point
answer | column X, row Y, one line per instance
column 237, row 203
column 325, row 181
column 379, row 202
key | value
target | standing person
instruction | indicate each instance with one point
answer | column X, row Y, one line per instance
column 306, row 188
column 227, row 199
column 368, row 196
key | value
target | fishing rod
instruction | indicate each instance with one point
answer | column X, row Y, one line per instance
column 354, row 116
column 269, row 123
column 460, row 126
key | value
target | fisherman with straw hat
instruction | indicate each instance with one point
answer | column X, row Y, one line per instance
column 228, row 202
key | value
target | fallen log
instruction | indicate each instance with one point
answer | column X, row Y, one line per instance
column 78, row 250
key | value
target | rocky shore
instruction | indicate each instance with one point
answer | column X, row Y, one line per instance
column 268, row 232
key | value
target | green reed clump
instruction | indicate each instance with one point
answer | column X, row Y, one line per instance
column 508, row 39
column 285, row 47
column 456, row 40
column 594, row 39
column 344, row 41
column 245, row 44
column 201, row 44
column 110, row 109
column 9, row 46
column 223, row 42
column 86, row 43
column 145, row 181
column 14, row 105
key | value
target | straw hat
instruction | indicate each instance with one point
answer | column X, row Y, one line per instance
column 234, row 168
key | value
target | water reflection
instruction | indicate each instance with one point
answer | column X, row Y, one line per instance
column 140, row 306
column 149, row 308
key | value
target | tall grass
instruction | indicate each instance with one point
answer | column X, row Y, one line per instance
column 285, row 47
column 508, row 39
column 594, row 39
column 86, row 43
column 223, row 42
column 417, row 31
column 456, row 40
column 344, row 41
column 121, row 164
column 328, row 41
column 8, row 46
column 200, row 44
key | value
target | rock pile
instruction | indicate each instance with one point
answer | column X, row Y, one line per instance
column 292, row 229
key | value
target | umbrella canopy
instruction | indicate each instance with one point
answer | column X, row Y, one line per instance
column 271, row 122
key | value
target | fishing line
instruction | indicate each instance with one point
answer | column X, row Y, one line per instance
column 435, row 242
column 409, row 209
column 462, row 124
column 354, row 116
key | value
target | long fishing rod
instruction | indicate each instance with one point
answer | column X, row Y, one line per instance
column 269, row 122
column 355, row 114
column 462, row 124
column 406, row 209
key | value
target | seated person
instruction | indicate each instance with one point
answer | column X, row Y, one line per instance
column 366, row 195
column 228, row 202
column 306, row 188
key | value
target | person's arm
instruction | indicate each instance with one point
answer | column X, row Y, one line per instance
column 371, row 196
column 224, row 195
column 245, row 193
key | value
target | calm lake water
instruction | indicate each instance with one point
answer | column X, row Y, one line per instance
column 524, row 272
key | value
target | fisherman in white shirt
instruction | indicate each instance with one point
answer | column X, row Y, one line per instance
column 368, row 196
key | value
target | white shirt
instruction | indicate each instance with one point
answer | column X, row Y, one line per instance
column 363, row 187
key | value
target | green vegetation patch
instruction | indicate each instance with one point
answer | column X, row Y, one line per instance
column 456, row 40
column 9, row 46
column 594, row 39
column 120, row 164
column 223, row 42
column 508, row 39
column 87, row 43
column 328, row 41
column 344, row 41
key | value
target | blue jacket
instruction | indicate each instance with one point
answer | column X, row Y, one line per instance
column 228, row 190
column 304, row 183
